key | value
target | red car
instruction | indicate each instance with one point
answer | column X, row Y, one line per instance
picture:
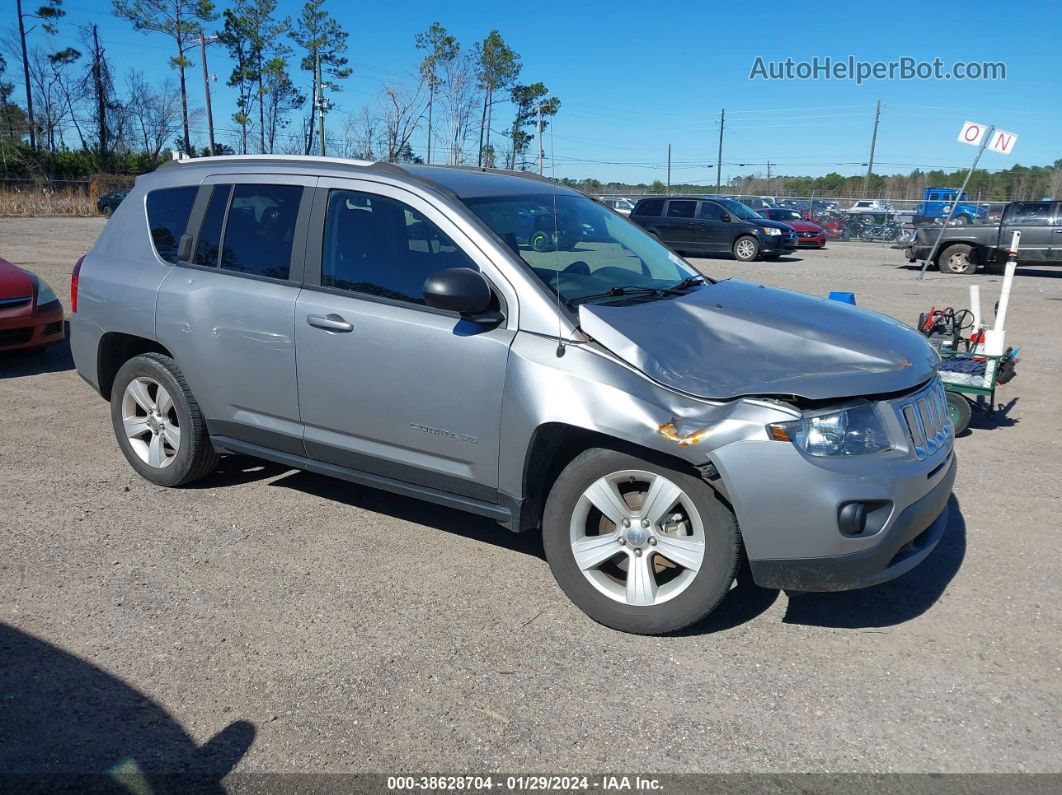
column 30, row 313
column 809, row 234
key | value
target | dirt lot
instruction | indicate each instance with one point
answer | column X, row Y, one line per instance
column 326, row 627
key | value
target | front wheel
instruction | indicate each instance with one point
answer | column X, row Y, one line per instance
column 959, row 259
column 159, row 425
column 636, row 545
column 746, row 249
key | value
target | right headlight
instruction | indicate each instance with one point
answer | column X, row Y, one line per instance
column 854, row 431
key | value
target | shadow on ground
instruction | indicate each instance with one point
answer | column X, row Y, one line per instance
column 53, row 359
column 893, row 602
column 66, row 725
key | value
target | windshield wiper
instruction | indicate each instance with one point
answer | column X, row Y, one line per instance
column 616, row 292
column 688, row 282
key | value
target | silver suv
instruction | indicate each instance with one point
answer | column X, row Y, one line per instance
column 496, row 343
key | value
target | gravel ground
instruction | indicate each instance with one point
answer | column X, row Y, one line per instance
column 321, row 626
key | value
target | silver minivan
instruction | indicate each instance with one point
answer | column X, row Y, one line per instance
column 494, row 342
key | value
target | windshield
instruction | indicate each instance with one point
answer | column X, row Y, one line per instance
column 585, row 250
column 740, row 210
column 785, row 215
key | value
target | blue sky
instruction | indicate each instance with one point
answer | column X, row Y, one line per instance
column 635, row 76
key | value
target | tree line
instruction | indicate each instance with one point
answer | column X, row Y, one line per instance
column 66, row 113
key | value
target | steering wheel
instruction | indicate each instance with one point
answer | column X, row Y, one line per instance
column 579, row 268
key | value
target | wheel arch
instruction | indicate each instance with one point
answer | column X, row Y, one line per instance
column 115, row 349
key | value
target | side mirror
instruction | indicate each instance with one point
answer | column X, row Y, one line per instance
column 461, row 290
column 726, row 217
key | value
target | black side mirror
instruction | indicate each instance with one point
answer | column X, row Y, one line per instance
column 461, row 290
column 725, row 217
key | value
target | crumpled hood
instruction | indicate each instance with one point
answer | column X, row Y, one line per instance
column 734, row 338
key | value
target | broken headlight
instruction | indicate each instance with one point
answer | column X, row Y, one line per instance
column 852, row 431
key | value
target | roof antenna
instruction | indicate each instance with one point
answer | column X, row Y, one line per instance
column 556, row 237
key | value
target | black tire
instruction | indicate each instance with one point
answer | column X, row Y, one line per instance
column 750, row 253
column 961, row 220
column 707, row 588
column 108, row 211
column 195, row 457
column 959, row 411
column 540, row 241
column 959, row 258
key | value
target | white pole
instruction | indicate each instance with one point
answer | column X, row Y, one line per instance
column 975, row 305
column 1008, row 280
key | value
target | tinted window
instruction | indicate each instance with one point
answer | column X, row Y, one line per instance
column 1031, row 214
column 260, row 229
column 681, row 209
column 382, row 247
column 168, row 212
column 710, row 212
column 209, row 242
column 651, row 207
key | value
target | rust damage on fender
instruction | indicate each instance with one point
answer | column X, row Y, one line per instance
column 671, row 431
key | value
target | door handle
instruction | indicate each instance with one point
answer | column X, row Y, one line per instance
column 330, row 322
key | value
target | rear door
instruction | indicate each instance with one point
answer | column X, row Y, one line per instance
column 1034, row 220
column 387, row 384
column 678, row 223
column 227, row 313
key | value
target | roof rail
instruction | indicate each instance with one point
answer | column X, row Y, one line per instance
column 338, row 161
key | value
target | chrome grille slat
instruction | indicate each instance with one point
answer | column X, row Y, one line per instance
column 925, row 416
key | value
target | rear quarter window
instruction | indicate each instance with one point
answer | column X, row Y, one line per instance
column 167, row 211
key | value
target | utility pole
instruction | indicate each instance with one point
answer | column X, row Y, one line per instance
column 669, row 168
column 320, row 105
column 719, row 160
column 206, row 92
column 873, row 142
column 768, row 176
column 538, row 125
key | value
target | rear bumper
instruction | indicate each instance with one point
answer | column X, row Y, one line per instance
column 903, row 545
column 32, row 328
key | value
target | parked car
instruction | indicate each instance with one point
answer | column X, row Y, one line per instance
column 109, row 202
column 31, row 316
column 809, row 234
column 656, row 424
column 712, row 226
column 870, row 206
column 965, row 248
column 937, row 204
column 755, row 202
column 994, row 211
column 620, row 205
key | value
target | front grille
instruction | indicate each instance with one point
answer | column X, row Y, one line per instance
column 14, row 303
column 925, row 416
column 810, row 234
column 15, row 336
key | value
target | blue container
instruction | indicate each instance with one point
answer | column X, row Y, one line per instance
column 844, row 298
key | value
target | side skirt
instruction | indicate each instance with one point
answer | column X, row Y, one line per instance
column 507, row 516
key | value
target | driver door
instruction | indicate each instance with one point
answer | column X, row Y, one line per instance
column 386, row 384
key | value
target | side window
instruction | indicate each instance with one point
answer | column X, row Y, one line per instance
column 653, row 208
column 167, row 211
column 681, row 209
column 382, row 247
column 209, row 242
column 710, row 212
column 1031, row 214
column 260, row 229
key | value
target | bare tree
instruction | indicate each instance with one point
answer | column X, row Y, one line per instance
column 402, row 110
column 155, row 115
column 361, row 136
column 460, row 94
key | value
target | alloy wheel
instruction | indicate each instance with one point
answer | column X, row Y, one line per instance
column 637, row 537
column 151, row 423
column 746, row 249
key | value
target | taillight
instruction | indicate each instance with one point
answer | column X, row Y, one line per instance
column 73, row 284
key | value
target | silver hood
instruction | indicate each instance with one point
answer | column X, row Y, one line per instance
column 734, row 338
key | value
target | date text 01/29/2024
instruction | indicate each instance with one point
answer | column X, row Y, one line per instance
column 530, row 783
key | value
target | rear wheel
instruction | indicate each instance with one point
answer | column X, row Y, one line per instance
column 959, row 259
column 959, row 411
column 108, row 211
column 636, row 545
column 158, row 423
column 746, row 248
